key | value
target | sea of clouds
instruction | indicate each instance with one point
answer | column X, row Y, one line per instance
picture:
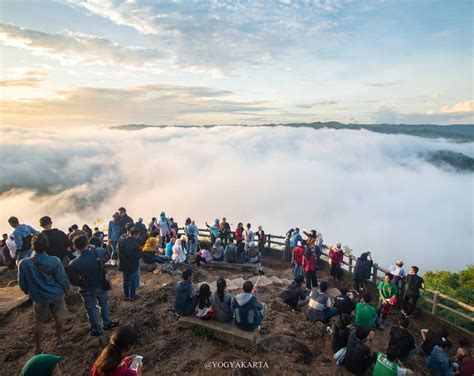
column 370, row 191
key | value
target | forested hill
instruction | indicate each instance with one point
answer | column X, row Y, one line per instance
column 456, row 132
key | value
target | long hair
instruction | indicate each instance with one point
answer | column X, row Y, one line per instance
column 221, row 285
column 120, row 342
column 204, row 295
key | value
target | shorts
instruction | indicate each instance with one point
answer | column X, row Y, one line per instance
column 43, row 312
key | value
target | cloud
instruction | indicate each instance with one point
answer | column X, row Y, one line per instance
column 389, row 115
column 76, row 48
column 371, row 191
column 23, row 77
column 467, row 106
column 152, row 104
column 316, row 104
column 383, row 84
column 219, row 36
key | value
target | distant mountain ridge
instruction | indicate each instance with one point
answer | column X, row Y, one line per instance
column 455, row 132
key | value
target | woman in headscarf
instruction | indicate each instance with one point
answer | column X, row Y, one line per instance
column 179, row 253
column 163, row 225
column 218, row 250
column 150, row 252
column 336, row 254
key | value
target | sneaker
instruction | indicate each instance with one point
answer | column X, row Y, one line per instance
column 126, row 298
column 59, row 344
column 135, row 298
column 111, row 325
column 39, row 352
column 96, row 334
column 329, row 330
column 113, row 262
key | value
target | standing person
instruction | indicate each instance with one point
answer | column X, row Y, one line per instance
column 152, row 227
column 124, row 219
column 185, row 301
column 248, row 310
column 320, row 306
column 59, row 243
column 297, row 259
column 387, row 298
column 99, row 234
column 222, row 302
column 336, row 254
column 113, row 235
column 214, row 230
column 224, row 231
column 174, row 226
column 8, row 254
column 398, row 278
column 287, row 252
column 44, row 280
column 310, row 238
column 87, row 230
column 413, row 285
column 191, row 232
column 386, row 364
column 129, row 263
column 248, row 237
column 113, row 360
column 295, row 238
column 87, row 272
column 362, row 270
column 22, row 234
column 309, row 268
column 143, row 230
column 359, row 357
column 239, row 233
column 163, row 225
column 262, row 239
column 402, row 339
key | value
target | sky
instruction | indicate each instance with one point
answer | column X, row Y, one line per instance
column 71, row 63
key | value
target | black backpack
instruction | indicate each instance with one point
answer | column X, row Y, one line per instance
column 26, row 243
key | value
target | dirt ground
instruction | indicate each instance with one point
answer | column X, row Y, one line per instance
column 290, row 344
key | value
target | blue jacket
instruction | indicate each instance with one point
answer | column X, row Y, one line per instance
column 45, row 282
column 83, row 271
column 186, row 300
column 114, row 231
column 295, row 238
column 20, row 232
column 438, row 362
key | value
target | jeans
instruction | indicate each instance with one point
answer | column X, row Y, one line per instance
column 192, row 247
column 130, row 281
column 328, row 313
column 113, row 245
column 409, row 304
column 298, row 270
column 91, row 300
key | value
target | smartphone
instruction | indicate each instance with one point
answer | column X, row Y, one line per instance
column 136, row 362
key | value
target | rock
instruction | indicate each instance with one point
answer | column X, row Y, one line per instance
column 287, row 345
column 3, row 269
column 148, row 267
column 92, row 343
column 14, row 355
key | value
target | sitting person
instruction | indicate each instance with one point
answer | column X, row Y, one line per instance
column 386, row 364
column 295, row 295
column 343, row 303
column 431, row 338
column 319, row 306
column 359, row 357
column 240, row 256
column 230, row 253
column 150, row 252
column 438, row 360
column 185, row 302
column 464, row 357
column 248, row 311
column 204, row 309
column 341, row 328
column 113, row 360
column 365, row 313
column 203, row 255
column 222, row 302
column 217, row 250
column 42, row 364
column 169, row 248
column 179, row 253
column 401, row 338
column 253, row 254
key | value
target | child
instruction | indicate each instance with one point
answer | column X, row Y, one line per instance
column 204, row 309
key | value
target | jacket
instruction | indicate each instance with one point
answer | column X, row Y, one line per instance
column 340, row 332
column 43, row 278
column 129, row 255
column 402, row 339
column 58, row 242
column 292, row 294
column 438, row 362
column 223, row 310
column 363, row 267
column 248, row 311
column 186, row 298
column 114, row 231
column 20, row 233
column 84, row 271
column 358, row 355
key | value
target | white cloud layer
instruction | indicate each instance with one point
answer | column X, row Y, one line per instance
column 368, row 190
column 467, row 106
column 78, row 48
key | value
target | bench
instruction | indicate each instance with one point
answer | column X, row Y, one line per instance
column 227, row 332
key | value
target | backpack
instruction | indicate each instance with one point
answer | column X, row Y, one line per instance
column 26, row 243
column 247, row 317
column 104, row 277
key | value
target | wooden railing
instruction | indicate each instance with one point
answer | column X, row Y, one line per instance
column 277, row 242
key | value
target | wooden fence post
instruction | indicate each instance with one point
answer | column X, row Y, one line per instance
column 374, row 273
column 350, row 264
column 269, row 240
column 434, row 310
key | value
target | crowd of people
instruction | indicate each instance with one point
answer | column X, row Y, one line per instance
column 50, row 261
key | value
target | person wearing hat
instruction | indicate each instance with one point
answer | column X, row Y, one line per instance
column 42, row 365
column 59, row 243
